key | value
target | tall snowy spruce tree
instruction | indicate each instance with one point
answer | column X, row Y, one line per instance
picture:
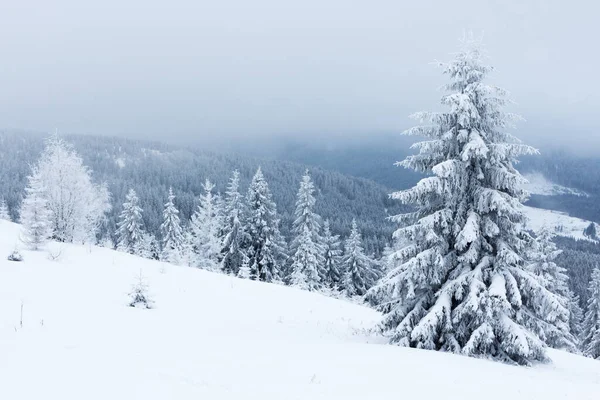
column 359, row 271
column 263, row 251
column 232, row 253
column 331, row 257
column 205, row 226
column 129, row 228
column 591, row 323
column 36, row 218
column 549, row 316
column 461, row 283
column 172, row 235
column 307, row 261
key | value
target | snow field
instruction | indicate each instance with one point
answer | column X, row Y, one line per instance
column 216, row 337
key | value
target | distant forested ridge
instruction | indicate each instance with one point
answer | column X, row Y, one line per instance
column 152, row 167
column 379, row 153
column 573, row 171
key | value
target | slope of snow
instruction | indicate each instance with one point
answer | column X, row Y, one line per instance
column 538, row 184
column 556, row 221
column 216, row 337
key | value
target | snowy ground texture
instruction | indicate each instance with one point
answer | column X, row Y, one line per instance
column 560, row 223
column 215, row 337
column 539, row 184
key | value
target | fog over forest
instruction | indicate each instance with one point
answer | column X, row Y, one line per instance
column 215, row 72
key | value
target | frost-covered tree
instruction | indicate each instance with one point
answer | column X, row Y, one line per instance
column 172, row 235
column 307, row 261
column 244, row 271
column 575, row 315
column 129, row 228
column 281, row 249
column 359, row 271
column 461, row 283
column 262, row 248
column 546, row 307
column 591, row 323
column 332, row 257
column 204, row 228
column 232, row 253
column 78, row 205
column 147, row 247
column 139, row 297
column 4, row 213
column 36, row 218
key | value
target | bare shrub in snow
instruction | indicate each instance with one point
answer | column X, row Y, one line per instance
column 55, row 254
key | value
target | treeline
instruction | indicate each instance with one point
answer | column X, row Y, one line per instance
column 152, row 168
column 234, row 234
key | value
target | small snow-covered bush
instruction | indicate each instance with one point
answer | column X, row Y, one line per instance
column 244, row 271
column 15, row 256
column 139, row 296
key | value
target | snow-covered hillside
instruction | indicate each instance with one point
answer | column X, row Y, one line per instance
column 561, row 223
column 539, row 184
column 216, row 337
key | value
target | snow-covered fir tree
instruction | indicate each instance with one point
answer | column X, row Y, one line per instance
column 129, row 228
column 147, row 247
column 281, row 249
column 36, row 218
column 461, row 283
column 244, row 271
column 359, row 271
column 78, row 205
column 591, row 323
column 172, row 235
column 139, row 297
column 575, row 315
column 307, row 262
column 232, row 253
column 221, row 219
column 546, row 309
column 204, row 229
column 332, row 253
column 262, row 249
column 4, row 213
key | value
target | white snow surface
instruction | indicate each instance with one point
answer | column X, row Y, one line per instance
column 539, row 184
column 216, row 337
column 558, row 222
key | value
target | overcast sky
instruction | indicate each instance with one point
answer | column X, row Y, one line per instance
column 200, row 69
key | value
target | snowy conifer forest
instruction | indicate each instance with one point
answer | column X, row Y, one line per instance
column 299, row 271
column 461, row 273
